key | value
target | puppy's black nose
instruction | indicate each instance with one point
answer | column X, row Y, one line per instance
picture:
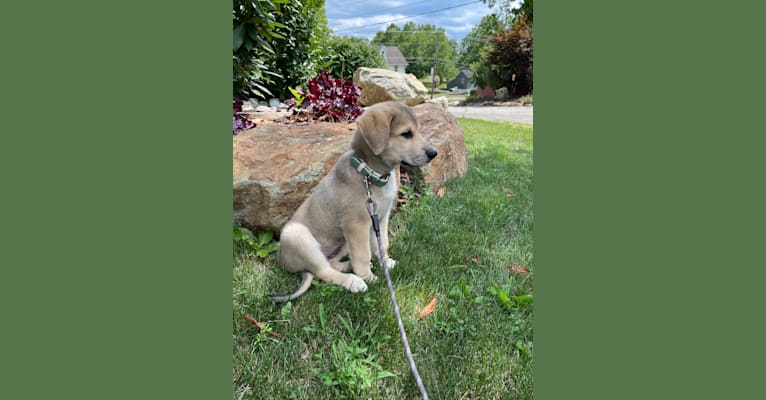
column 431, row 153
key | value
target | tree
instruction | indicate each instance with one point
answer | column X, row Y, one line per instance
column 513, row 10
column 511, row 59
column 477, row 40
column 423, row 46
column 346, row 54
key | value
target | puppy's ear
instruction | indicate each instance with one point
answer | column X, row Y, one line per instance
column 374, row 125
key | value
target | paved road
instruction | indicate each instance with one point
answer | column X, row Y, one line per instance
column 494, row 113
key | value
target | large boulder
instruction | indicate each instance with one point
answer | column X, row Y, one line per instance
column 444, row 134
column 380, row 85
column 277, row 166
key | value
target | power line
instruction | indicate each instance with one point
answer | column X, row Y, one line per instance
column 392, row 8
column 411, row 16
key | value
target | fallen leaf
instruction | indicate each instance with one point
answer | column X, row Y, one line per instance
column 474, row 259
column 519, row 269
column 401, row 201
column 441, row 191
column 428, row 309
column 508, row 191
column 260, row 325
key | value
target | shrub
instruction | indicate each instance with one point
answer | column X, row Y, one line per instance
column 330, row 99
column 347, row 54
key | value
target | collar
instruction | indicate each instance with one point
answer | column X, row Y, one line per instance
column 362, row 167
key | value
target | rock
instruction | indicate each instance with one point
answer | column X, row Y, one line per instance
column 440, row 101
column 441, row 129
column 274, row 103
column 277, row 166
column 263, row 109
column 501, row 93
column 380, row 85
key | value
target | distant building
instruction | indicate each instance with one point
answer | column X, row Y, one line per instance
column 394, row 58
column 463, row 80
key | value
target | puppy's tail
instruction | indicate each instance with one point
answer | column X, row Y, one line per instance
column 306, row 278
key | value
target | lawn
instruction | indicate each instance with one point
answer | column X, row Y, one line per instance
column 470, row 248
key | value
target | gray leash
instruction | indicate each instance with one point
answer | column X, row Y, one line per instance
column 372, row 209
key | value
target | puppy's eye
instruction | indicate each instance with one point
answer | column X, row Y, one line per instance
column 407, row 135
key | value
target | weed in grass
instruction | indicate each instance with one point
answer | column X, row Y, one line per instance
column 247, row 243
column 353, row 365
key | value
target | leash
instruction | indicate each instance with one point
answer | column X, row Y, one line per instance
column 372, row 209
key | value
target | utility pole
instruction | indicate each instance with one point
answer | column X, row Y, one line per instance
column 433, row 65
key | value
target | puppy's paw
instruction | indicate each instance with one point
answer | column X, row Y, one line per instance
column 370, row 278
column 355, row 284
column 390, row 262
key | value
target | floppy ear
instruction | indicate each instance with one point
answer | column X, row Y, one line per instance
column 374, row 125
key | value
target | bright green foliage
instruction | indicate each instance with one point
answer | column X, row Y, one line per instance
column 296, row 57
column 254, row 25
column 249, row 245
column 353, row 364
column 277, row 44
column 423, row 46
column 345, row 54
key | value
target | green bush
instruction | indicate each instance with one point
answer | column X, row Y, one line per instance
column 347, row 54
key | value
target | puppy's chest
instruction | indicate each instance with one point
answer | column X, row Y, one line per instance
column 385, row 195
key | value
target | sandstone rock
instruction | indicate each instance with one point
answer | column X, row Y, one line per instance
column 380, row 85
column 440, row 101
column 442, row 131
column 277, row 166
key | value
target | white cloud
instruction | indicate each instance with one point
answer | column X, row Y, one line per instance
column 344, row 15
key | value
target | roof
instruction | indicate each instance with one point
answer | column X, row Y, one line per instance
column 393, row 55
column 468, row 73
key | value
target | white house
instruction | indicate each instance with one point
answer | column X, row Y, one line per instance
column 394, row 58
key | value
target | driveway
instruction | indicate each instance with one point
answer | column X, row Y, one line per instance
column 521, row 114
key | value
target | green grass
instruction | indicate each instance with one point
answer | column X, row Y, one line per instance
column 458, row 248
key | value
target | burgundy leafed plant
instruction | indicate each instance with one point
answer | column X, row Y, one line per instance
column 239, row 122
column 330, row 99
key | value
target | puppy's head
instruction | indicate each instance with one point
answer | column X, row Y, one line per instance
column 390, row 132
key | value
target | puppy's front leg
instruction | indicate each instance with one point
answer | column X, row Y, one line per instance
column 384, row 238
column 357, row 234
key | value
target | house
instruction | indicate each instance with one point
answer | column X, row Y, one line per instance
column 463, row 80
column 394, row 58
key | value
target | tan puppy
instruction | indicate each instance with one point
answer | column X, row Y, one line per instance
column 333, row 222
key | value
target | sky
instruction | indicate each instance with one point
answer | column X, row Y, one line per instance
column 344, row 15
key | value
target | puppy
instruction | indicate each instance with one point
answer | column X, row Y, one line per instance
column 333, row 221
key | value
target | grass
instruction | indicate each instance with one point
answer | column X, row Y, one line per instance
column 460, row 248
